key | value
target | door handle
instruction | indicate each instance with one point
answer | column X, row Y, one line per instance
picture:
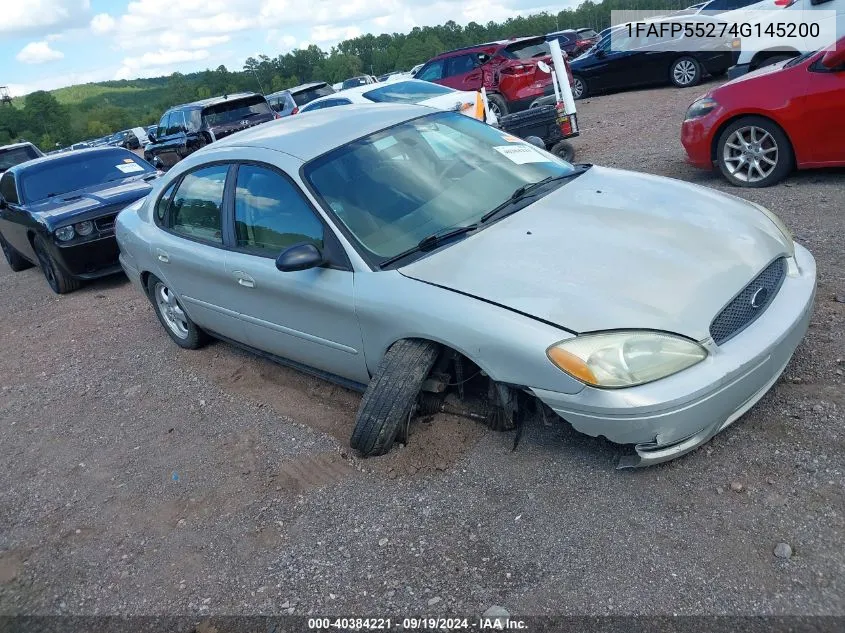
column 243, row 279
column 162, row 256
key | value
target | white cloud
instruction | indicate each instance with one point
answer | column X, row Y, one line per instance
column 103, row 23
column 323, row 33
column 22, row 17
column 38, row 53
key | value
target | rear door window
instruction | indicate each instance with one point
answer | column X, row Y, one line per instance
column 459, row 65
column 197, row 204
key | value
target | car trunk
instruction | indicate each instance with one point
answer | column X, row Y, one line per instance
column 228, row 117
column 527, row 54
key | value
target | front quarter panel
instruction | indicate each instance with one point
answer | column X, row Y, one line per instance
column 508, row 346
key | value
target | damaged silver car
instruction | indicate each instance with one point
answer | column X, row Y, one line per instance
column 439, row 264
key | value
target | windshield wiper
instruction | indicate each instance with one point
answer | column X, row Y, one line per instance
column 520, row 193
column 430, row 242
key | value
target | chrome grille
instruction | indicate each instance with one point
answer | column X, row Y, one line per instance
column 750, row 303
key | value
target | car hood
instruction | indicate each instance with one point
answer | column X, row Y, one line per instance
column 614, row 249
column 90, row 202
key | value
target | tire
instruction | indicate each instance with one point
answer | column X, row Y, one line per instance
column 15, row 260
column 498, row 105
column 579, row 87
column 685, row 72
column 766, row 140
column 564, row 150
column 391, row 396
column 176, row 322
column 59, row 281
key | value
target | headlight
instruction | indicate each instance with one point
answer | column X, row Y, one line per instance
column 624, row 359
column 65, row 233
column 84, row 228
column 787, row 234
column 701, row 108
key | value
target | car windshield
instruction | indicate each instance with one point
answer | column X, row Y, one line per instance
column 307, row 96
column 528, row 49
column 398, row 186
column 236, row 110
column 407, row 92
column 12, row 156
column 355, row 81
column 73, row 172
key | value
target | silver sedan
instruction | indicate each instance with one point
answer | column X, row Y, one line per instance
column 439, row 264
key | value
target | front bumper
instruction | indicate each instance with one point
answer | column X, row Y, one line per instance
column 738, row 71
column 91, row 259
column 675, row 415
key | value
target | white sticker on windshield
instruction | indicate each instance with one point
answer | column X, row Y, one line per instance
column 522, row 154
column 128, row 168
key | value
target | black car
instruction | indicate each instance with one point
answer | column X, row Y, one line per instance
column 58, row 212
column 11, row 155
column 126, row 139
column 287, row 102
column 186, row 128
column 573, row 42
column 626, row 58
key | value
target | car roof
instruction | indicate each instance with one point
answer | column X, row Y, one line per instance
column 299, row 88
column 360, row 90
column 497, row 44
column 310, row 134
column 65, row 156
column 204, row 103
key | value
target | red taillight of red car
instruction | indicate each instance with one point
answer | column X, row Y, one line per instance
column 295, row 110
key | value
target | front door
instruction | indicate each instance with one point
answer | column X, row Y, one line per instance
column 306, row 316
column 819, row 135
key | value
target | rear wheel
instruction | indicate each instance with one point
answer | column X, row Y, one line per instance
column 498, row 105
column 685, row 72
column 391, row 397
column 564, row 150
column 579, row 87
column 754, row 152
column 173, row 317
column 15, row 260
column 58, row 280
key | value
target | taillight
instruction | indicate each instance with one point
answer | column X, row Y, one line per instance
column 784, row 3
column 295, row 110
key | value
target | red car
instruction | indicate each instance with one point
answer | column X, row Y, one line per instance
column 757, row 128
column 507, row 70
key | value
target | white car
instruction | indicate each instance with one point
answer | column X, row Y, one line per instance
column 766, row 50
column 410, row 91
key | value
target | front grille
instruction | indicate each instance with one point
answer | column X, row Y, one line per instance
column 749, row 304
column 105, row 223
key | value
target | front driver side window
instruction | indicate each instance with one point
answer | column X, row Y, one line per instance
column 161, row 130
column 196, row 205
column 271, row 214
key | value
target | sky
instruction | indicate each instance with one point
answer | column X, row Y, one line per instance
column 47, row 44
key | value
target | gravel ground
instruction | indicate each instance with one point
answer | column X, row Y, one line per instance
column 143, row 479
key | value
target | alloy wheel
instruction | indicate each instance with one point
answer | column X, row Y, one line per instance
column 577, row 88
column 46, row 266
column 684, row 72
column 750, row 154
column 171, row 312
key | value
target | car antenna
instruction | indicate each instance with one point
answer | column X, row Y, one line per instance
column 258, row 81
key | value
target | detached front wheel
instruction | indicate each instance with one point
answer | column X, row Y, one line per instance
column 391, row 397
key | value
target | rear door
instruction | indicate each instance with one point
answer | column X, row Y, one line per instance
column 190, row 249
column 306, row 316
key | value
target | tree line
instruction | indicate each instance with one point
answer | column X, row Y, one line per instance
column 69, row 115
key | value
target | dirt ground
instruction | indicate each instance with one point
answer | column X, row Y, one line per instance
column 139, row 478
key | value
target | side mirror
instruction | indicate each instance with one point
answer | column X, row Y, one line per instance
column 152, row 137
column 600, row 53
column 834, row 58
column 299, row 257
